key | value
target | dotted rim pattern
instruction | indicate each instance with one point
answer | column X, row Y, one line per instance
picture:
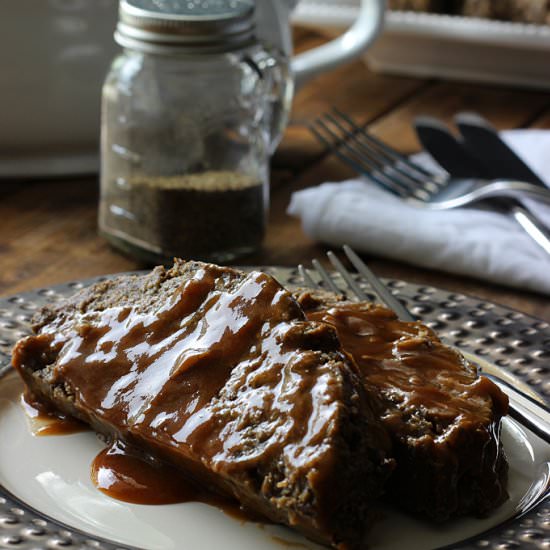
column 515, row 342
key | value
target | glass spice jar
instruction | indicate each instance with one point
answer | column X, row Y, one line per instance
column 189, row 110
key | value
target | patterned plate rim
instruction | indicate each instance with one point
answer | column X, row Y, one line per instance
column 515, row 342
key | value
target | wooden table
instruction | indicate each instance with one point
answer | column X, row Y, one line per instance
column 48, row 228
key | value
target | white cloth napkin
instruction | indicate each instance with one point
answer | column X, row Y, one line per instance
column 467, row 241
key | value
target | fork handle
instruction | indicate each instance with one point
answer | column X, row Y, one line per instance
column 533, row 226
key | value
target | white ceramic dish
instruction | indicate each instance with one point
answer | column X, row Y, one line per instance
column 431, row 45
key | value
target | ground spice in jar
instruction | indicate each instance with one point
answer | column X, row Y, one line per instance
column 214, row 215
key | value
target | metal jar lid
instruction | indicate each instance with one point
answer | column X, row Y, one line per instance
column 185, row 26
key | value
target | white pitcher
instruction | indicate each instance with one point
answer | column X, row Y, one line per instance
column 54, row 56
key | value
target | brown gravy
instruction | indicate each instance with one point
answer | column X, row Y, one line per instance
column 411, row 368
column 152, row 375
column 127, row 474
column 219, row 374
column 288, row 543
column 45, row 421
column 144, row 371
column 155, row 374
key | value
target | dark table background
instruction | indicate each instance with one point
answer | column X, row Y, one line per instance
column 48, row 231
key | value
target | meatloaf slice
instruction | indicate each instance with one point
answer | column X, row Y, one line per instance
column 526, row 11
column 443, row 418
column 219, row 373
column 432, row 6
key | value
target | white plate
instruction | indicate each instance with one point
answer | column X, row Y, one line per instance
column 52, row 474
column 47, row 499
column 444, row 46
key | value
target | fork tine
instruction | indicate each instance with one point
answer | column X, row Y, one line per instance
column 385, row 150
column 372, row 164
column 383, row 174
column 390, row 153
column 355, row 288
column 306, row 277
column 379, row 157
column 360, row 166
column 352, row 136
column 308, row 280
column 429, row 183
column 332, row 146
column 404, row 182
column 378, row 286
column 326, row 277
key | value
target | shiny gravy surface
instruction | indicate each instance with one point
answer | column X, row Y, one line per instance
column 144, row 371
column 127, row 474
column 46, row 421
column 412, row 369
column 155, row 374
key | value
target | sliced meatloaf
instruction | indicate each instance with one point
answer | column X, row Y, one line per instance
column 433, row 6
column 219, row 373
column 527, row 11
column 444, row 419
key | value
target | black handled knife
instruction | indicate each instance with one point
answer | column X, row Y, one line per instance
column 447, row 149
column 452, row 154
column 483, row 143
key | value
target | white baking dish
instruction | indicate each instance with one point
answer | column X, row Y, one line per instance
column 431, row 45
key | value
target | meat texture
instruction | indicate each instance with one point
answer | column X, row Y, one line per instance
column 219, row 373
column 527, row 11
column 524, row 11
column 433, row 6
column 444, row 419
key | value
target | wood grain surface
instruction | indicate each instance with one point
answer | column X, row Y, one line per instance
column 49, row 231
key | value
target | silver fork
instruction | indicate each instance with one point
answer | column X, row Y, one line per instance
column 525, row 409
column 397, row 174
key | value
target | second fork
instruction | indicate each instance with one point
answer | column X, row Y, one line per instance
column 395, row 173
column 528, row 411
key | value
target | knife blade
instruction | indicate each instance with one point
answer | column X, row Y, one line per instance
column 484, row 144
column 443, row 146
column 436, row 138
